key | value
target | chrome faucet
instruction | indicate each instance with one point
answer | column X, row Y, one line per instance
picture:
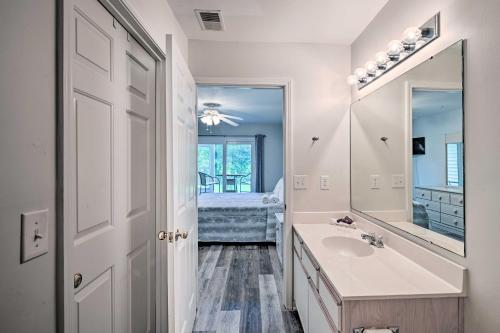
column 373, row 239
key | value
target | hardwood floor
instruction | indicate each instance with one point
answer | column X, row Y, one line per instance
column 240, row 290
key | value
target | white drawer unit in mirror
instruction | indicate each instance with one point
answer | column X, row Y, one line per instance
column 407, row 152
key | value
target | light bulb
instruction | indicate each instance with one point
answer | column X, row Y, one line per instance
column 412, row 35
column 371, row 68
column 216, row 120
column 204, row 120
column 352, row 80
column 361, row 74
column 381, row 59
column 394, row 49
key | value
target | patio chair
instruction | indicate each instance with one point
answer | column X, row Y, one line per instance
column 207, row 181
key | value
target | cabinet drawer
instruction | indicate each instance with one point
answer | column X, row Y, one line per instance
column 297, row 244
column 422, row 194
column 452, row 210
column 430, row 205
column 435, row 216
column 332, row 303
column 453, row 221
column 457, row 199
column 310, row 267
column 440, row 228
column 441, row 197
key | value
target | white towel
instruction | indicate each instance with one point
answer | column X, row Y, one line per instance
column 265, row 199
column 377, row 330
column 274, row 199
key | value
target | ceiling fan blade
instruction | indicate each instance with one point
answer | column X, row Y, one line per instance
column 227, row 121
column 230, row 117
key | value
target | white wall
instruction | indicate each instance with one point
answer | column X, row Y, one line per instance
column 27, row 149
column 477, row 21
column 320, row 102
column 273, row 146
column 27, row 163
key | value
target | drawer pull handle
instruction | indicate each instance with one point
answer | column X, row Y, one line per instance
column 439, row 198
column 423, row 194
column 456, row 211
column 455, row 222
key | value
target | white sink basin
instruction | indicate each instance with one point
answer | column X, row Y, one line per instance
column 348, row 247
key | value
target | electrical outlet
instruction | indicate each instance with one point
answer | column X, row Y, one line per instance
column 398, row 181
column 300, row 182
column 374, row 182
column 324, row 183
column 34, row 235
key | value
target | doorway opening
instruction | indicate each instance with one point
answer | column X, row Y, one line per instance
column 241, row 209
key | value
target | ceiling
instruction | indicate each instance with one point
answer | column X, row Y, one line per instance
column 430, row 102
column 293, row 21
column 254, row 105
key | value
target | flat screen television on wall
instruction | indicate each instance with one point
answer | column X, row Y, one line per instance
column 419, row 146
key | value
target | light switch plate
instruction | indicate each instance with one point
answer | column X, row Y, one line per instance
column 300, row 182
column 398, row 181
column 324, row 182
column 34, row 234
column 374, row 182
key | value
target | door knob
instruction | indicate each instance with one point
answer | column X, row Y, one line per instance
column 179, row 234
column 77, row 280
column 162, row 235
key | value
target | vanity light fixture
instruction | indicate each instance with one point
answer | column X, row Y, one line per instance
column 413, row 39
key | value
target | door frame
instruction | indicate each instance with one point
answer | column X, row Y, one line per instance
column 129, row 20
column 286, row 85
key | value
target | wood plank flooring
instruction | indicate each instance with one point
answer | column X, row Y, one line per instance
column 239, row 290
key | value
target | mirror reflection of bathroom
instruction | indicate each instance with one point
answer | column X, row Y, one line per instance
column 438, row 160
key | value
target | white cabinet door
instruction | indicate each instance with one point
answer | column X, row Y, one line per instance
column 109, row 175
column 300, row 293
column 317, row 319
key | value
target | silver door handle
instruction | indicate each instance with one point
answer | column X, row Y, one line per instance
column 162, row 235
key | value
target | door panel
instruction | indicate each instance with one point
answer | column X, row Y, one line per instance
column 184, row 195
column 95, row 305
column 112, row 163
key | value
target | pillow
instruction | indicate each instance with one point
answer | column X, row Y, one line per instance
column 279, row 190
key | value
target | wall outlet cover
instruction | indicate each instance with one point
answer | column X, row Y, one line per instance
column 34, row 234
column 324, row 183
column 375, row 182
column 300, row 182
column 398, row 181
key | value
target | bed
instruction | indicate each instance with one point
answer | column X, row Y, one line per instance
column 236, row 217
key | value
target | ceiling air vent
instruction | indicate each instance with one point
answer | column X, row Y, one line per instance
column 210, row 19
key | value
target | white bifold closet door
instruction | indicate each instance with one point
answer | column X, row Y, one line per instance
column 112, row 183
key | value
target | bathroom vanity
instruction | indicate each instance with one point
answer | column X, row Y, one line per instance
column 342, row 283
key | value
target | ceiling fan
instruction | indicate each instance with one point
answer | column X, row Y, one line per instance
column 211, row 116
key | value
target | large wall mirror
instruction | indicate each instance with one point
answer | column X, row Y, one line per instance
column 407, row 151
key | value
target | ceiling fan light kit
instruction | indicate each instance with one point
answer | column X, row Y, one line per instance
column 212, row 117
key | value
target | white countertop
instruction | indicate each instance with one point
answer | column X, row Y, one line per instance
column 385, row 274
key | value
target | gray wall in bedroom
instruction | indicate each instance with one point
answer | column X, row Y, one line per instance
column 273, row 146
column 27, row 162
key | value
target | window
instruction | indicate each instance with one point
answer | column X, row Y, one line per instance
column 454, row 164
column 229, row 160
